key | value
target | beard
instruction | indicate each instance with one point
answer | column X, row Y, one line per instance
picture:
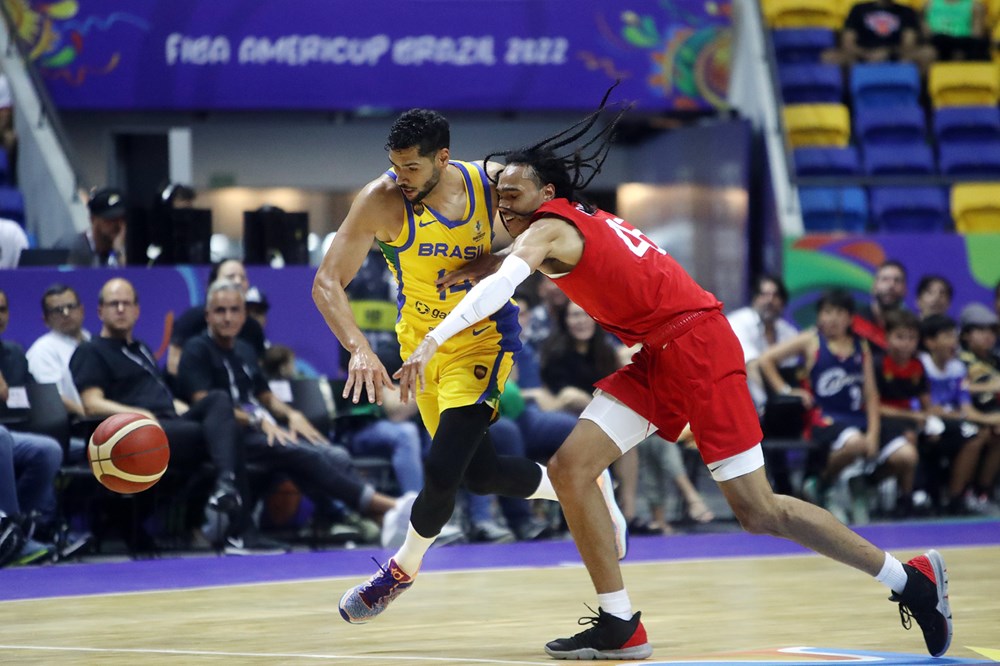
column 431, row 184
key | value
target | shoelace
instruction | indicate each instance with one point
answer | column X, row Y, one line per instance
column 381, row 583
column 906, row 616
column 592, row 620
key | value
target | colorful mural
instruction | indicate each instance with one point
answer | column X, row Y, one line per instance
column 817, row 262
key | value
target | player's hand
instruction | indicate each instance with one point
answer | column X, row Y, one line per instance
column 300, row 426
column 366, row 372
column 411, row 374
column 474, row 271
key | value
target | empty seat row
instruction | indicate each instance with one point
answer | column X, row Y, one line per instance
column 916, row 159
column 973, row 207
column 890, row 84
column 830, row 124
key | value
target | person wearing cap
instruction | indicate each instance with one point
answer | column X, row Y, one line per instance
column 103, row 243
column 257, row 305
column 978, row 336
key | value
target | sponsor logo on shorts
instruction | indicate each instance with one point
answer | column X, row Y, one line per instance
column 480, row 331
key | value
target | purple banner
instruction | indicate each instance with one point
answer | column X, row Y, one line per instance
column 166, row 293
column 379, row 54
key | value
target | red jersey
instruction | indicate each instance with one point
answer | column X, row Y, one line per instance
column 631, row 287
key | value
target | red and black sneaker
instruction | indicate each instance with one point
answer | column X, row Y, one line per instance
column 925, row 599
column 609, row 637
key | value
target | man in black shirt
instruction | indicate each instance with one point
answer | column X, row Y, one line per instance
column 192, row 321
column 221, row 361
column 116, row 373
column 881, row 31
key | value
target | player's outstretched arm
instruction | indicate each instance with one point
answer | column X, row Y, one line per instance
column 340, row 265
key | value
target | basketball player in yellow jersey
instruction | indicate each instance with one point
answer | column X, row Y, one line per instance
column 430, row 215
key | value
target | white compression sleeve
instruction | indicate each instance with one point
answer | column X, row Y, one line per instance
column 484, row 299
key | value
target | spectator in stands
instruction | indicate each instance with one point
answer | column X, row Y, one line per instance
column 904, row 401
column 175, row 195
column 662, row 465
column 881, row 31
column 103, row 243
column 888, row 294
column 934, row 295
column 575, row 355
column 373, row 300
column 758, row 327
column 115, row 373
column 34, row 459
column 258, row 307
column 552, row 302
column 978, row 339
column 48, row 356
column 966, row 431
column 13, row 241
column 192, row 321
column 24, row 472
column 957, row 29
column 8, row 136
column 847, row 424
column 220, row 361
column 279, row 363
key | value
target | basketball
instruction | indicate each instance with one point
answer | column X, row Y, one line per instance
column 128, row 453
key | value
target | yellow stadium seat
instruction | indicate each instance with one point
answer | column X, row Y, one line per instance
column 964, row 84
column 975, row 207
column 818, row 125
column 803, row 14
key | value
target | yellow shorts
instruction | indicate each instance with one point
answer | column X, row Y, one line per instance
column 458, row 380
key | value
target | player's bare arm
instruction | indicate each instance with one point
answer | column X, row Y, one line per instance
column 366, row 221
column 802, row 345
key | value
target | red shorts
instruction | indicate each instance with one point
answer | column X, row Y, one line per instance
column 698, row 377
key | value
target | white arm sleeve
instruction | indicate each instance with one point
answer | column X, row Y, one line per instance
column 484, row 299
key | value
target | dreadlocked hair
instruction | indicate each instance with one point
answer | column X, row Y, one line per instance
column 572, row 171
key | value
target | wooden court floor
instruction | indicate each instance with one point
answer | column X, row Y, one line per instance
column 690, row 609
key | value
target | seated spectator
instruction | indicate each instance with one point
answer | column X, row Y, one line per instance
column 662, row 466
column 220, row 361
column 904, row 399
column 192, row 321
column 966, row 431
column 13, row 241
column 48, row 356
column 541, row 317
column 888, row 294
column 957, row 29
column 115, row 373
column 29, row 462
column 934, row 295
column 372, row 293
column 847, row 426
column 978, row 339
column 257, row 307
column 881, row 31
column 103, row 243
column 759, row 327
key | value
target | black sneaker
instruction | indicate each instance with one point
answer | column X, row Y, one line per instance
column 925, row 599
column 609, row 637
column 225, row 498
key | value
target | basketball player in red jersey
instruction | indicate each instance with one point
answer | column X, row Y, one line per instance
column 689, row 370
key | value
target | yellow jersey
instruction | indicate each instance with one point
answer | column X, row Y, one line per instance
column 431, row 245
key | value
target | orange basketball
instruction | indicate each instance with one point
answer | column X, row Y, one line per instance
column 128, row 452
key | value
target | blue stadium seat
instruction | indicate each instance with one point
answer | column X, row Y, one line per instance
column 902, row 209
column 827, row 209
column 885, row 84
column 801, row 45
column 824, row 161
column 967, row 124
column 811, row 83
column 904, row 159
column 890, row 124
column 12, row 204
column 970, row 159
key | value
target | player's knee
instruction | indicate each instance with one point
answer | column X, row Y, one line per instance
column 766, row 518
column 440, row 478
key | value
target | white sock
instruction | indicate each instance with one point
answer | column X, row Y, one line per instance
column 617, row 604
column 892, row 575
column 411, row 553
column 544, row 489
